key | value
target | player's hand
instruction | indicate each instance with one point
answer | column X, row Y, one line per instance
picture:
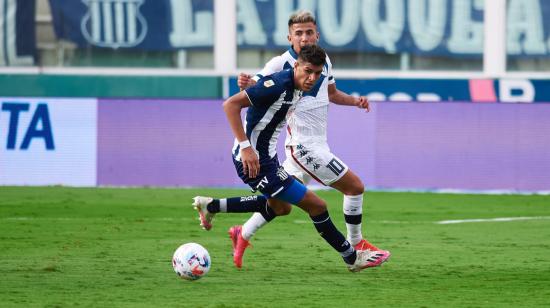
column 363, row 103
column 244, row 81
column 251, row 163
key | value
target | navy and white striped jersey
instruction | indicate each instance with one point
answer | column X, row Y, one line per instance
column 308, row 122
column 271, row 99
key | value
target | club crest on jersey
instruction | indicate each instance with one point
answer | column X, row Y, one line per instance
column 269, row 83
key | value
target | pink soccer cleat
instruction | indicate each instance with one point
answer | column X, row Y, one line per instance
column 365, row 245
column 239, row 245
column 200, row 204
column 368, row 258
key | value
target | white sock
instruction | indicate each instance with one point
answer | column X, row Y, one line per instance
column 353, row 206
column 252, row 225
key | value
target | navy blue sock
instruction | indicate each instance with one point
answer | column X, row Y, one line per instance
column 328, row 231
column 214, row 206
column 267, row 212
column 246, row 204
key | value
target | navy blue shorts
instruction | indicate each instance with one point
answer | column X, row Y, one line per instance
column 273, row 181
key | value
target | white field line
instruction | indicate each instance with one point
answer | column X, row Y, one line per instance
column 448, row 222
column 498, row 219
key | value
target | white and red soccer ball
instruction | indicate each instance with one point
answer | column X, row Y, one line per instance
column 191, row 261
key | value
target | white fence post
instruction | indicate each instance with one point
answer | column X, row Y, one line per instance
column 494, row 53
column 225, row 33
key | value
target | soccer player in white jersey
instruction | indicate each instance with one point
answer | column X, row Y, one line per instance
column 308, row 154
column 255, row 155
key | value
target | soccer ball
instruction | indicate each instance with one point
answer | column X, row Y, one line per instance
column 191, row 261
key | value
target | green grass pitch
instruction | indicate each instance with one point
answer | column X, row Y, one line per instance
column 88, row 247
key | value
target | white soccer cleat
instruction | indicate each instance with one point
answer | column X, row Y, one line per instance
column 368, row 258
column 200, row 204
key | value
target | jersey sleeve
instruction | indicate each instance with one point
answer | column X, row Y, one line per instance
column 264, row 93
column 330, row 77
column 273, row 66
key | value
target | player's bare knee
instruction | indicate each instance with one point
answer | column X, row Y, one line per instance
column 279, row 207
column 356, row 189
column 283, row 210
column 356, row 186
column 350, row 184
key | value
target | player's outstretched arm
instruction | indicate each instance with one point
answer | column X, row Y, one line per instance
column 232, row 108
column 340, row 98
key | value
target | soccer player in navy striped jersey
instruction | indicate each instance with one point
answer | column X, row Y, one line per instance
column 255, row 156
column 308, row 154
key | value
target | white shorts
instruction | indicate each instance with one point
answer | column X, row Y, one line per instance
column 313, row 162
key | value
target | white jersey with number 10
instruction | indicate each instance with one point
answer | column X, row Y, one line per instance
column 308, row 122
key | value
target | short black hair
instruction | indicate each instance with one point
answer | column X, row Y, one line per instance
column 313, row 54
